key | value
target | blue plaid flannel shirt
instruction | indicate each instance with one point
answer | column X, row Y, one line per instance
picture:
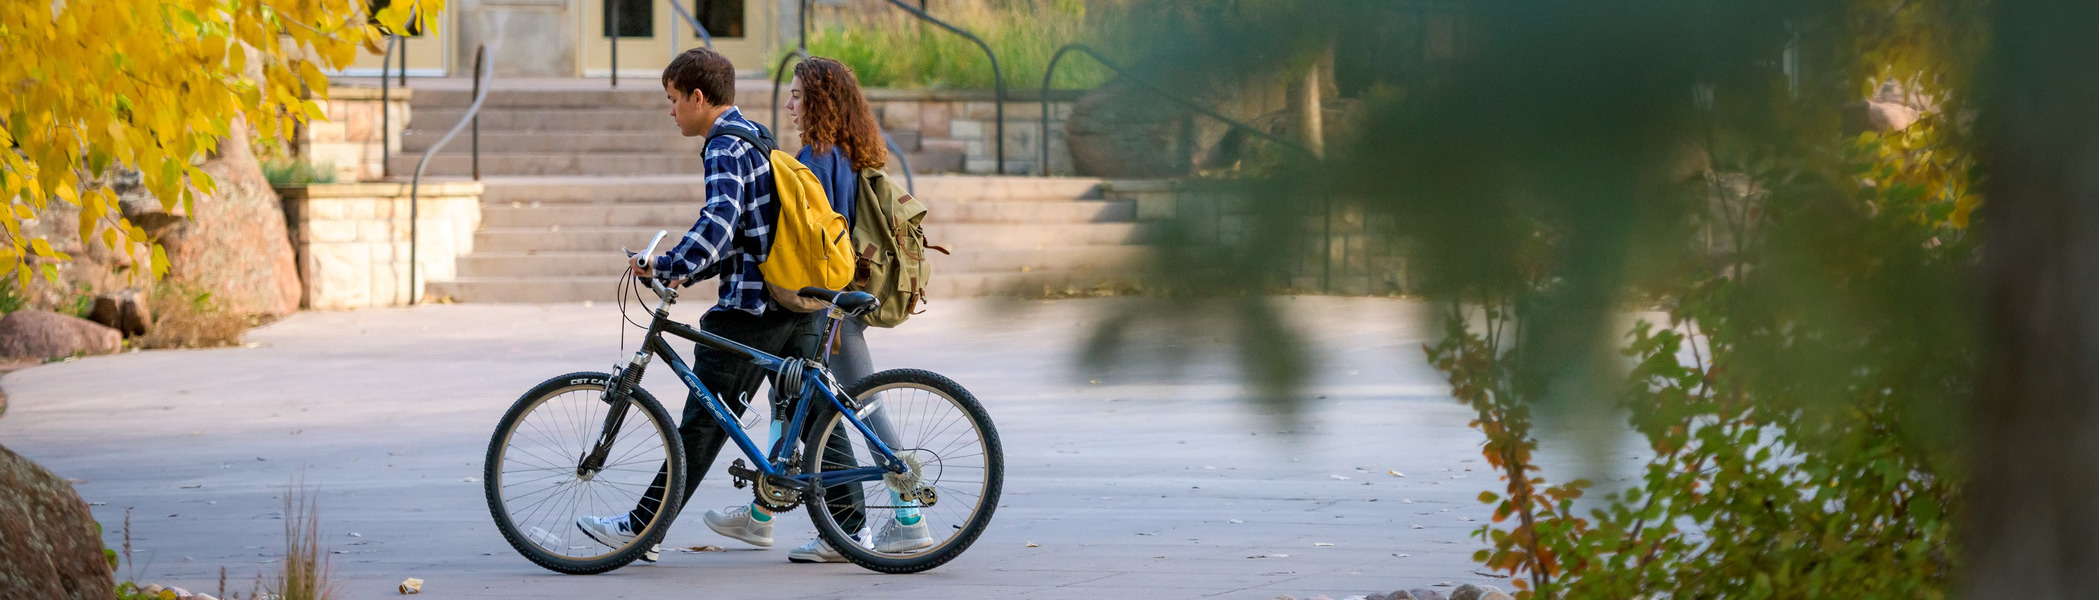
column 735, row 228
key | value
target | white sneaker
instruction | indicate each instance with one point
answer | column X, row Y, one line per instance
column 898, row 537
column 816, row 551
column 655, row 552
column 613, row 532
column 737, row 523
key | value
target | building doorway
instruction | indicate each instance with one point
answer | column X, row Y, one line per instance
column 652, row 31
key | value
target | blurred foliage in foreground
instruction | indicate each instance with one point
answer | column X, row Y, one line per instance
column 1573, row 160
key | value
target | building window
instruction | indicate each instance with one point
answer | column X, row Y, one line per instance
column 635, row 18
column 722, row 18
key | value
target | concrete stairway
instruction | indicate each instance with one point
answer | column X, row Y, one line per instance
column 595, row 132
column 556, row 239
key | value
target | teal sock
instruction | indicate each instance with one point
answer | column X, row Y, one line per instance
column 759, row 514
column 907, row 515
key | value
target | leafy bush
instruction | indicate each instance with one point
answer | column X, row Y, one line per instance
column 293, row 172
column 889, row 48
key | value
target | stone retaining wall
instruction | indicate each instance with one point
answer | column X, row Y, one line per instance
column 966, row 121
column 349, row 139
column 352, row 240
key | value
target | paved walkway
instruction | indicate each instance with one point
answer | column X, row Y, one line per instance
column 1155, row 483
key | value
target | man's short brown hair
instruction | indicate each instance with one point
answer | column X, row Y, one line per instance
column 704, row 70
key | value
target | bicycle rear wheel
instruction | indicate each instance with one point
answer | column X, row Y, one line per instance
column 957, row 470
column 537, row 483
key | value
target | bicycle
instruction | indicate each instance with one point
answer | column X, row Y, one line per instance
column 581, row 443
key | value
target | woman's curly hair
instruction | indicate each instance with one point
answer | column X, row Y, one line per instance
column 834, row 113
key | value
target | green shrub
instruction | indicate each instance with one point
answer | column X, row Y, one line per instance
column 292, row 172
column 889, row 48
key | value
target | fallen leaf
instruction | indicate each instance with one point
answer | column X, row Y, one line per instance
column 1321, row 544
column 1339, row 477
column 1397, row 473
column 1235, row 521
column 472, row 480
column 701, row 549
column 1034, row 545
column 411, row 586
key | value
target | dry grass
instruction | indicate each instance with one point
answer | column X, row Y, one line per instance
column 185, row 317
column 306, row 571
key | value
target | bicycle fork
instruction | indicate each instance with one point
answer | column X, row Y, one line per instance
column 617, row 400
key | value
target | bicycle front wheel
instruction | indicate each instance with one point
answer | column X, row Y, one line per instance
column 562, row 455
column 909, row 522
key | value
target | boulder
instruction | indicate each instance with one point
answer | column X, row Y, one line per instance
column 1425, row 594
column 124, row 311
column 48, row 536
column 31, row 334
column 1119, row 130
column 235, row 244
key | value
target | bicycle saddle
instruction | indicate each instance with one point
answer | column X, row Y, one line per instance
column 854, row 303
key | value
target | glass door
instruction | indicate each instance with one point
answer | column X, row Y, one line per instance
column 652, row 31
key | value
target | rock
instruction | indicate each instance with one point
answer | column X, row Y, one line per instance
column 1467, row 592
column 151, row 589
column 1497, row 595
column 1884, row 117
column 235, row 245
column 1400, row 595
column 48, row 536
column 1426, row 594
column 1119, row 130
column 202, row 596
column 39, row 334
column 125, row 311
column 179, row 592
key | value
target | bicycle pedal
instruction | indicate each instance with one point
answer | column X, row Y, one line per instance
column 740, row 474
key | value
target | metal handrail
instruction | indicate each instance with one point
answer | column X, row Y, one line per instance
column 386, row 122
column 1051, row 71
column 998, row 79
column 482, row 73
column 998, row 82
column 705, row 37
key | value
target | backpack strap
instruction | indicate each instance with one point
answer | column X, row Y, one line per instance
column 763, row 140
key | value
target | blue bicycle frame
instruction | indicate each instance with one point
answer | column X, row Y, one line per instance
column 815, row 383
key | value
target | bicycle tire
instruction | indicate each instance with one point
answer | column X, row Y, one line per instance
column 584, row 389
column 942, row 466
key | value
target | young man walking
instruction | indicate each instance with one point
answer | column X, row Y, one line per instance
column 731, row 237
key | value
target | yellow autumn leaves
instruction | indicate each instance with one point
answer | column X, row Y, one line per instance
column 91, row 86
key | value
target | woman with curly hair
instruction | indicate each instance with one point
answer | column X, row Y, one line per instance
column 839, row 138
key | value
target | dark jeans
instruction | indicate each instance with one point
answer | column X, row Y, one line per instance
column 779, row 332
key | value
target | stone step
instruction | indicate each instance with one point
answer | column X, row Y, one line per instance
column 962, row 237
column 607, row 264
column 751, row 95
column 679, row 215
column 601, row 288
column 439, row 120
column 536, row 164
column 681, row 188
column 597, row 288
column 520, row 142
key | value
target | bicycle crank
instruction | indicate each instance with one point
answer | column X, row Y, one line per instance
column 774, row 493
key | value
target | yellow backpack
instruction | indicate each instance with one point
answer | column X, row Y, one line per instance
column 811, row 246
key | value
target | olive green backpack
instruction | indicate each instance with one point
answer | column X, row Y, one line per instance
column 889, row 240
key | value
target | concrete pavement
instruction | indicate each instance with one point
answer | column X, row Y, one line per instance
column 1158, row 482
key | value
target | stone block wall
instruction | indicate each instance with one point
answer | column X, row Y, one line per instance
column 352, row 240
column 966, row 122
column 350, row 138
